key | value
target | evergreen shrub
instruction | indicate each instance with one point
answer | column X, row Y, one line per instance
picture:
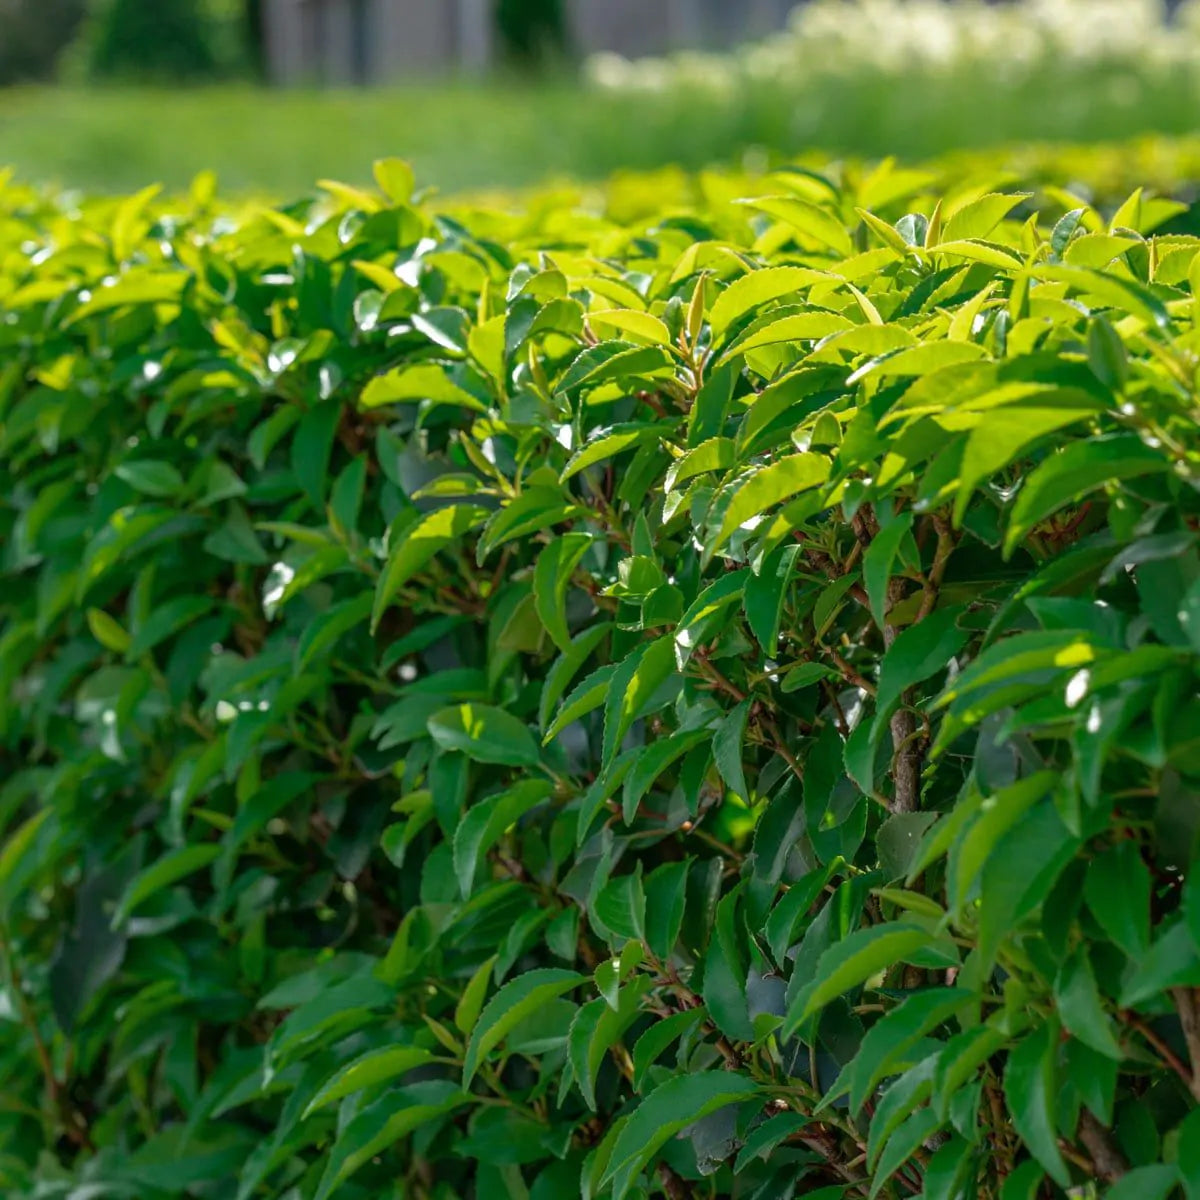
column 532, row 702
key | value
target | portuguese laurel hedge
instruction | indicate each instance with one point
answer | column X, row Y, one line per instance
column 540, row 703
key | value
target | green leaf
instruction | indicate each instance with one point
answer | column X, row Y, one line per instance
column 597, row 1028
column 1155, row 1182
column 518, row 999
column 1170, row 962
column 471, row 1004
column 1019, row 873
column 1106, row 354
column 769, row 487
column 980, row 217
column 326, row 629
column 425, row 382
column 888, row 1042
column 811, row 221
column 711, row 409
column 536, row 509
column 918, row 652
column 383, row 1123
column 997, row 815
column 879, row 562
column 589, row 695
column 764, row 1138
column 1111, row 290
column 552, row 578
column 799, row 327
column 565, row 668
column 609, row 975
column 855, row 960
column 395, row 179
column 369, row 1069
column 1069, row 475
column 903, row 1145
column 1080, row 1007
column 312, row 445
column 1030, row 1090
column 108, row 631
column 1002, row 437
column 18, row 848
column 265, row 804
column 728, row 742
column 151, row 477
column 485, row 734
column 638, row 326
column 678, row 1103
column 716, row 454
column 164, row 621
column 417, row 546
column 345, row 502
column 765, row 593
column 487, row 821
column 608, row 443
column 633, row 686
column 166, row 871
column 948, row 1174
column 654, row 1042
column 1189, row 1154
column 620, row 906
column 710, row 608
column 666, row 896
column 651, row 763
column 1117, row 889
column 757, row 288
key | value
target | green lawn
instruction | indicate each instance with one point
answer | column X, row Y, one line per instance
column 463, row 136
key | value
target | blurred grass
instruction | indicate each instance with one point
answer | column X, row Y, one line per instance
column 496, row 134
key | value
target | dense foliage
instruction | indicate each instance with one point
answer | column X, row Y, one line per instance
column 697, row 702
column 531, row 31
column 167, row 41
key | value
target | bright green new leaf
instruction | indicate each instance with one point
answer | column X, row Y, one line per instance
column 771, row 486
column 427, row 383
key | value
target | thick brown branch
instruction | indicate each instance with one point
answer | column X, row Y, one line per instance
column 1110, row 1164
column 937, row 572
column 1189, row 1017
column 907, row 762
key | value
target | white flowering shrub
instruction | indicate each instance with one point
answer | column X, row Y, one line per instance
column 1062, row 57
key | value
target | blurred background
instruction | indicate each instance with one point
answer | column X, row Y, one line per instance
column 273, row 94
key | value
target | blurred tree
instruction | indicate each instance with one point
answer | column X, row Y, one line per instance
column 254, row 23
column 32, row 35
column 164, row 40
column 532, row 32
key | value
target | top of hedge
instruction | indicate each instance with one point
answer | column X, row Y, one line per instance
column 486, row 691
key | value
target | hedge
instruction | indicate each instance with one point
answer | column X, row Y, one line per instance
column 524, row 703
